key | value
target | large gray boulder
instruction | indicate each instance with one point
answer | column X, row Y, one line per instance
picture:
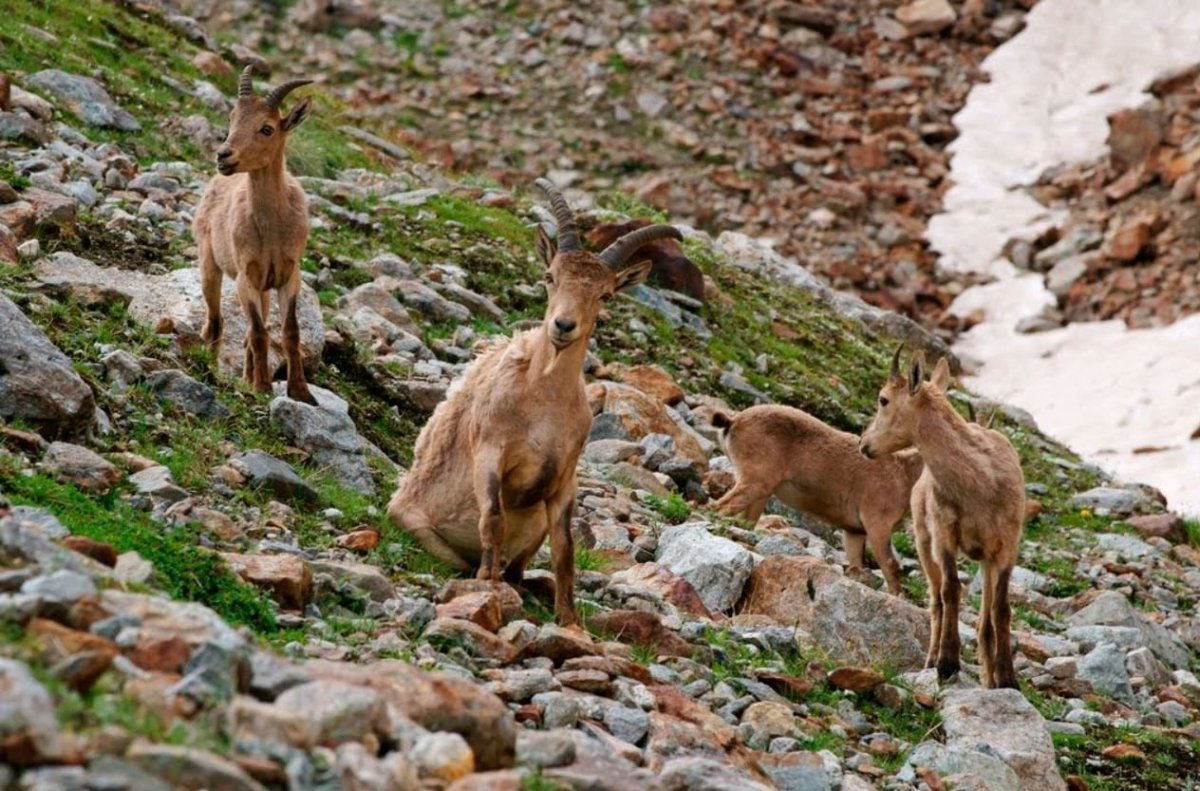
column 1111, row 608
column 327, row 433
column 175, row 300
column 1001, row 722
column 37, row 382
column 84, row 98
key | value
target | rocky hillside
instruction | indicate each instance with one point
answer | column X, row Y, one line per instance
column 198, row 588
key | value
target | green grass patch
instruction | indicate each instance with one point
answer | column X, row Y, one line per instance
column 673, row 508
column 184, row 570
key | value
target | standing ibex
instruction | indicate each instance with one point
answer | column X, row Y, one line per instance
column 252, row 225
column 494, row 468
column 814, row 468
column 971, row 498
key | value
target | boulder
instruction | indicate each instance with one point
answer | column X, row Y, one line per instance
column 716, row 567
column 37, row 381
column 264, row 470
column 189, row 767
column 809, row 595
column 1112, row 609
column 85, row 98
column 650, row 379
column 923, row 17
column 287, row 577
column 327, row 433
column 28, row 727
column 641, row 414
column 175, row 300
column 1007, row 725
column 80, row 467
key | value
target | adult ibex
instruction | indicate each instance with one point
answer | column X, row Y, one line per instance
column 252, row 225
column 971, row 498
column 494, row 468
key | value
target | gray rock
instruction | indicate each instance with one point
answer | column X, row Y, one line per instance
column 545, row 749
column 27, row 714
column 196, row 398
column 81, row 467
column 476, row 303
column 37, row 381
column 626, row 723
column 158, row 482
column 1174, row 713
column 610, row 451
column 188, row 767
column 176, row 298
column 342, row 711
column 361, row 575
column 360, row 769
column 431, row 304
column 979, row 762
column 327, row 432
column 716, row 567
column 380, row 301
column 213, row 673
column 263, row 469
column 656, row 449
column 1104, row 668
column 1009, row 726
column 24, row 539
column 519, row 685
column 1111, row 608
column 1079, row 239
column 705, row 774
column 132, row 567
column 84, row 98
column 608, row 426
column 1127, row 547
column 1063, row 275
column 799, row 771
column 40, row 518
column 122, row 368
column 271, row 676
column 17, row 127
column 1088, row 637
column 1142, row 662
column 1109, row 500
column 60, row 589
column 675, row 316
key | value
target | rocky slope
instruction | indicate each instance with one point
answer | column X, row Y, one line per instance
column 198, row 588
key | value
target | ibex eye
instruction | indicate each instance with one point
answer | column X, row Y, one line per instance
column 549, row 278
column 266, row 130
column 883, row 401
column 605, row 297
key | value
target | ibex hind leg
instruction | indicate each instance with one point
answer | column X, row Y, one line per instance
column 1003, row 672
column 210, row 286
column 746, row 500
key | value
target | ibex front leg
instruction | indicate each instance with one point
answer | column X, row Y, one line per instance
column 297, row 387
column 255, row 370
column 488, row 475
column 560, row 510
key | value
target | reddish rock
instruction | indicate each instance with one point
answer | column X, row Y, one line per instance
column 480, row 640
column 923, row 17
column 1133, row 135
column 510, row 600
column 641, row 414
column 559, row 644
column 80, row 657
column 595, row 682
column 1168, row 526
column 856, row 679
column 8, row 246
column 507, row 780
column 212, row 64
column 75, row 464
column 167, row 655
column 359, row 540
column 480, row 607
column 667, row 585
column 612, row 665
column 786, row 685
column 650, row 379
column 635, row 627
column 96, row 550
column 1128, row 241
column 287, row 577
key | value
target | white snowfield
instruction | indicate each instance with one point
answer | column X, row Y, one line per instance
column 1127, row 400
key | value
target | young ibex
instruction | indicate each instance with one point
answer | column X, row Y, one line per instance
column 494, row 468
column 252, row 225
column 971, row 498
column 814, row 468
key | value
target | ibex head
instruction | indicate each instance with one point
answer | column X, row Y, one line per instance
column 578, row 282
column 257, row 129
column 900, row 402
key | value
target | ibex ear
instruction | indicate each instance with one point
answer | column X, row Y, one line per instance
column 545, row 246
column 296, row 116
column 916, row 374
column 634, row 275
column 941, row 375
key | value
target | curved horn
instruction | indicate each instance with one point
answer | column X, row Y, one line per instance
column 617, row 253
column 895, row 371
column 245, row 88
column 568, row 232
column 280, row 91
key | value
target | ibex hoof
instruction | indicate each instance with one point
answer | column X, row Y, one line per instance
column 305, row 395
column 947, row 668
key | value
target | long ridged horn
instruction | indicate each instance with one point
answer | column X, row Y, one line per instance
column 568, row 232
column 245, row 86
column 895, row 372
column 278, row 93
column 617, row 253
